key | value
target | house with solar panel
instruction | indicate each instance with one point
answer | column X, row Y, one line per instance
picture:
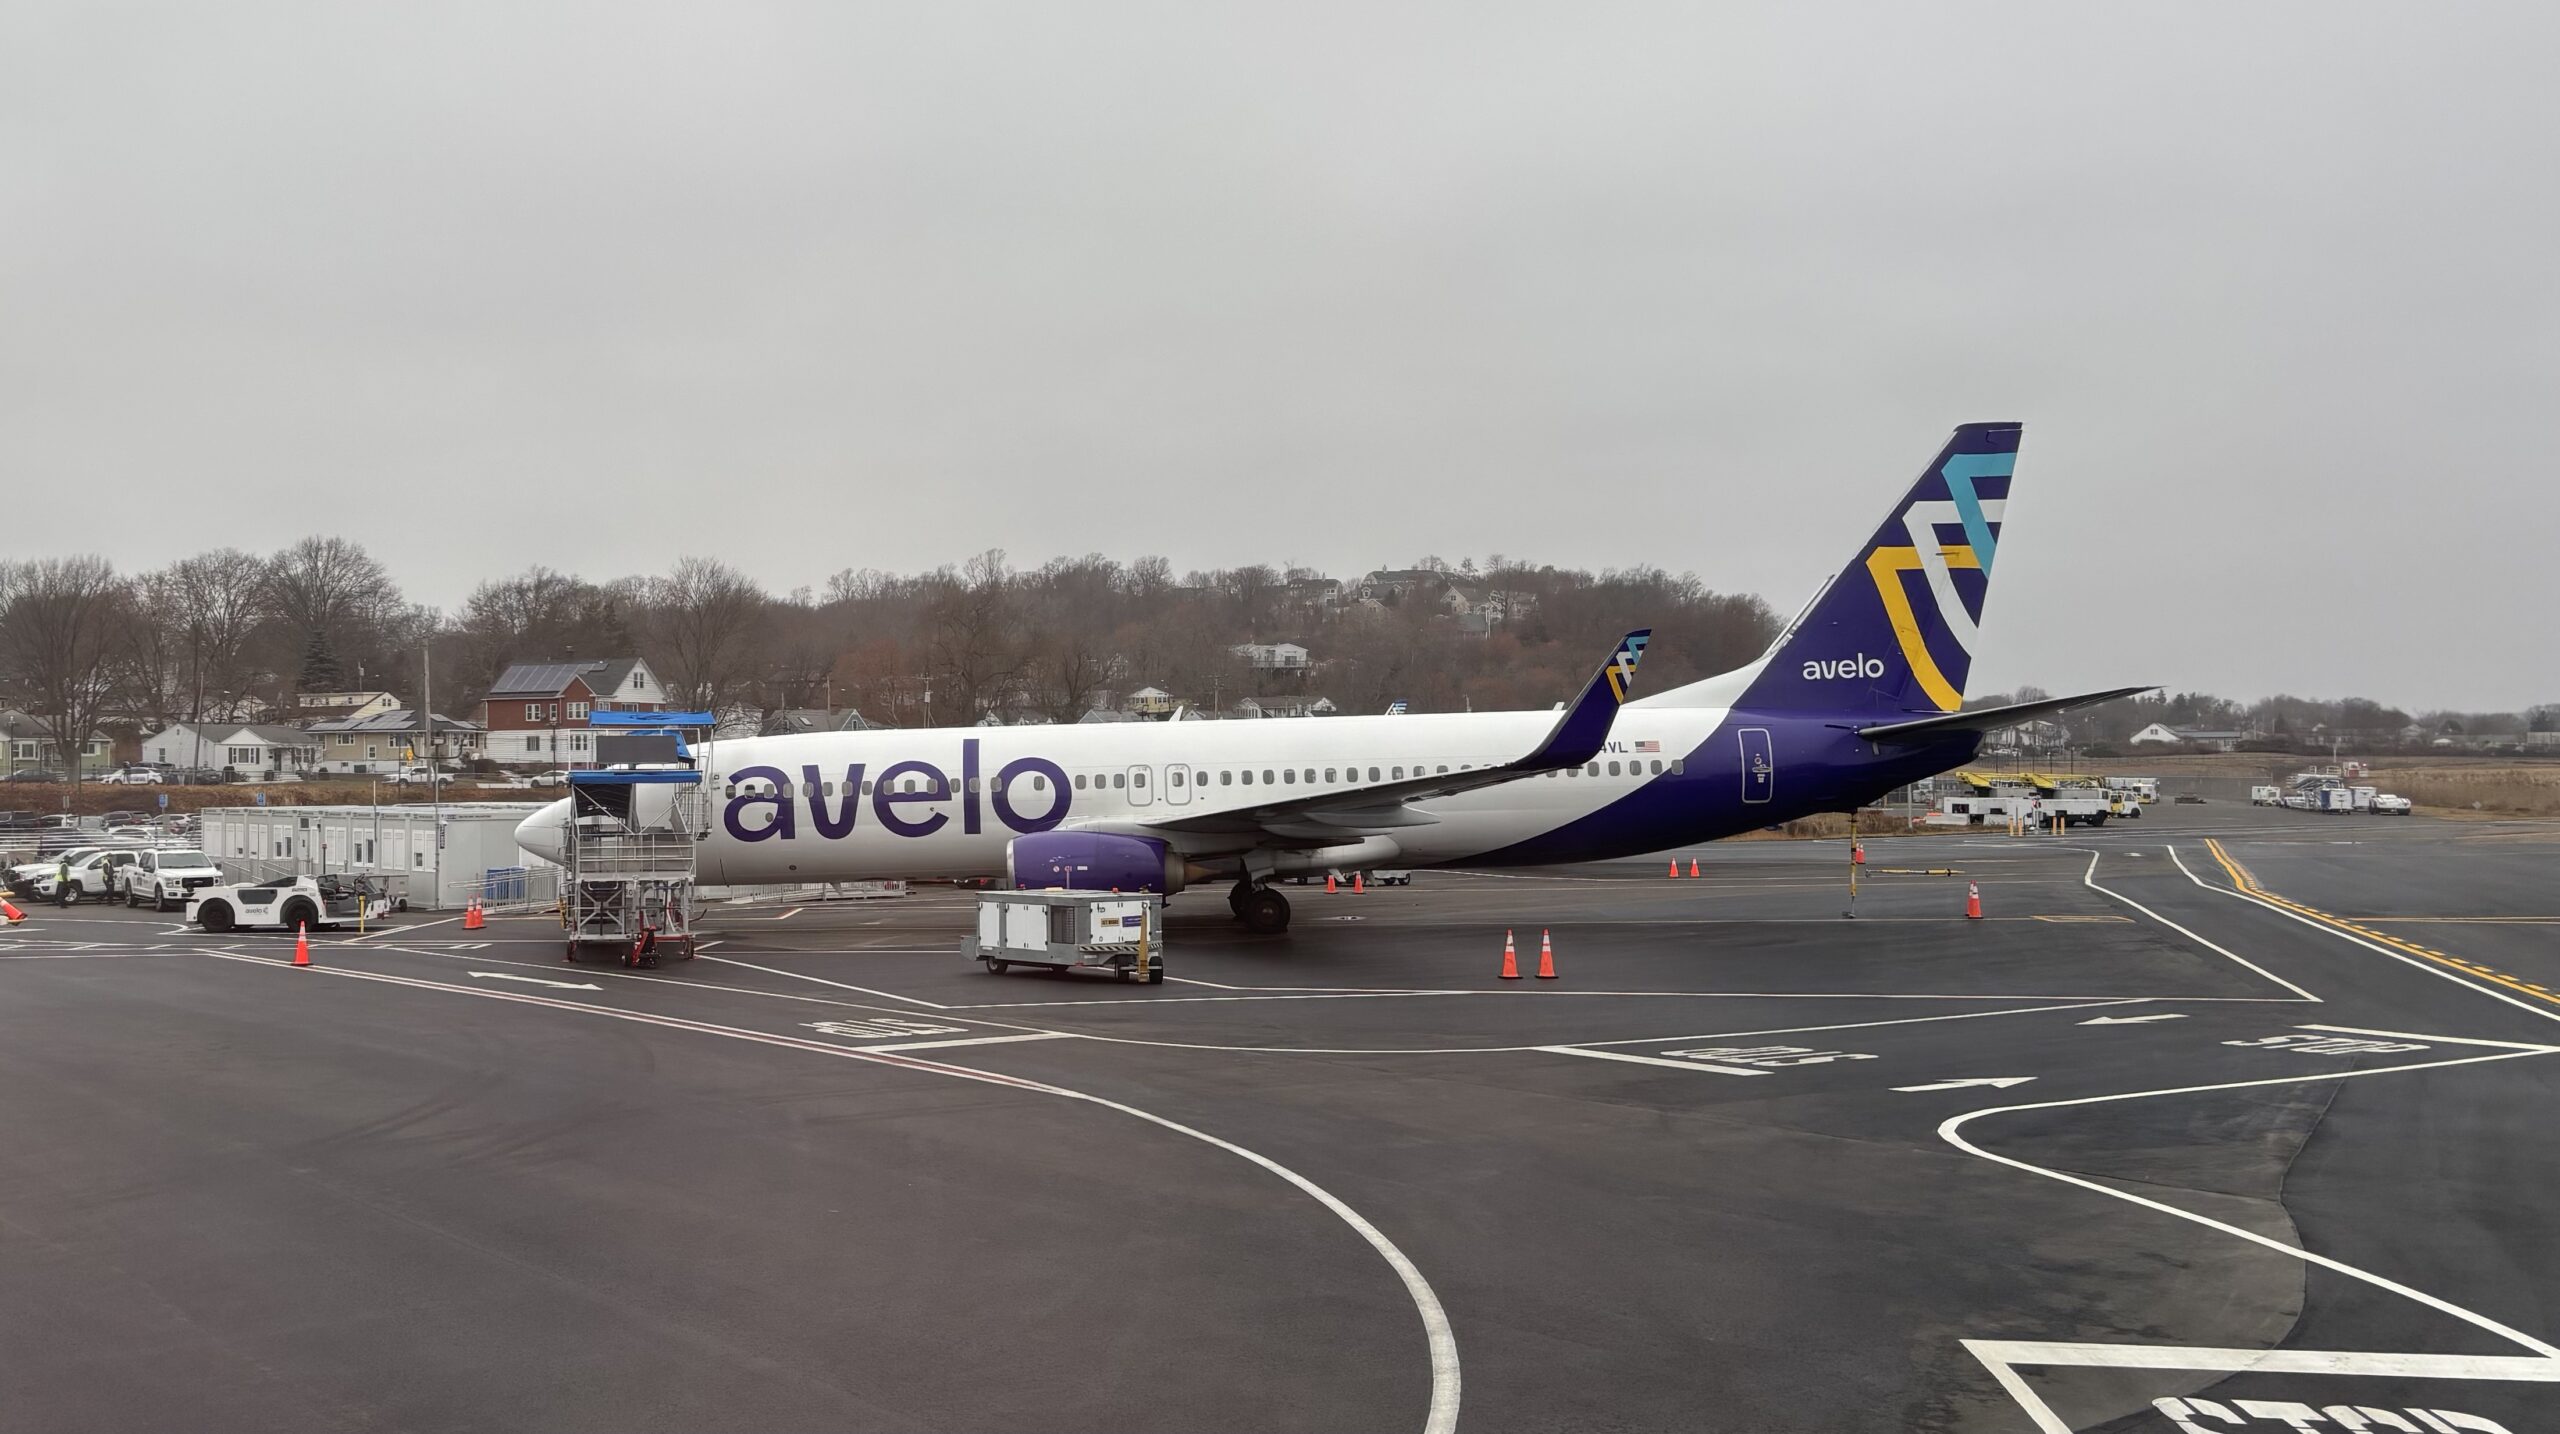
column 541, row 714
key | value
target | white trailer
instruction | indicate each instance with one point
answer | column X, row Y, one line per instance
column 1062, row 930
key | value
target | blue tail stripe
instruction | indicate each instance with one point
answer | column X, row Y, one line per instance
column 1961, row 470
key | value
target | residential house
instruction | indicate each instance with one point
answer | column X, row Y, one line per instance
column 27, row 743
column 537, row 713
column 310, row 707
column 2162, row 734
column 791, row 721
column 379, row 742
column 1272, row 656
column 1148, row 702
column 1285, row 707
column 249, row 752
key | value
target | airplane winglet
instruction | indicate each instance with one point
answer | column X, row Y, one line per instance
column 1578, row 734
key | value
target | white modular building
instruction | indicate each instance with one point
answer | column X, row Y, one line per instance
column 436, row 865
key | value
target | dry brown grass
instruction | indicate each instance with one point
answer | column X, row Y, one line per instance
column 2532, row 791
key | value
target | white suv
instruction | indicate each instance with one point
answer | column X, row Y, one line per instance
column 167, row 878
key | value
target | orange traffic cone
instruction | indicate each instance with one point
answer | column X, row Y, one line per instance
column 1546, row 958
column 1693, row 866
column 1510, row 959
column 1359, row 883
column 1973, row 901
column 301, row 945
column 1857, row 852
column 9, row 909
column 1328, row 883
column 1675, row 867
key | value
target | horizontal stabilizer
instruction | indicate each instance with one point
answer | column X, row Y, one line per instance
column 1992, row 719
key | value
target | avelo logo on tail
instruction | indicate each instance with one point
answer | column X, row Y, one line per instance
column 1819, row 670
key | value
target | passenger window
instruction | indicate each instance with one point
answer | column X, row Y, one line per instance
column 1079, row 781
column 1289, row 776
column 1441, row 773
column 1177, row 777
column 1226, row 778
column 1595, row 769
column 1613, row 769
column 1399, row 771
column 1137, row 779
column 1373, row 774
column 1657, row 766
column 1119, row 780
column 1039, row 783
column 1266, row 776
column 1573, row 771
column 1677, row 765
column 1328, row 774
column 729, row 791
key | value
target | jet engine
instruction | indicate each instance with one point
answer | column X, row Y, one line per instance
column 1095, row 861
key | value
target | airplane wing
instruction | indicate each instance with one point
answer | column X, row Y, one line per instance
column 1991, row 719
column 1348, row 812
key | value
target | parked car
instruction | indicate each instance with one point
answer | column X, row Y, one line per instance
column 2387, row 805
column 35, row 774
column 22, row 877
column 556, row 777
column 167, row 878
column 93, row 877
column 132, row 777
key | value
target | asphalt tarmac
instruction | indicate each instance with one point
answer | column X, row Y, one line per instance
column 2225, row 1119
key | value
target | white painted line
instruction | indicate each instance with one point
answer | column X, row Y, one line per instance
column 2134, row 1020
column 1951, row 1131
column 534, row 981
column 978, row 1041
column 403, row 929
column 2002, row 1357
column 1440, row 1340
column 2447, row 1040
column 1650, row 1061
column 2089, row 879
column 2429, row 967
column 2510, row 1367
column 1999, row 1082
column 1865, row 1025
column 817, row 980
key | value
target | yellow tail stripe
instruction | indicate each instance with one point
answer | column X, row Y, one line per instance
column 1886, row 565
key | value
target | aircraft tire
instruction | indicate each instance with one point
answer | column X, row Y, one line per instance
column 1265, row 912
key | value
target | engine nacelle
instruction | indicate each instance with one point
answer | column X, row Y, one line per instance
column 1094, row 861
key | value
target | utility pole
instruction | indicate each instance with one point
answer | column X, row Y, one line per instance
column 435, row 771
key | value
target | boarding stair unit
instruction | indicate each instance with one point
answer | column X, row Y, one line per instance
column 635, row 823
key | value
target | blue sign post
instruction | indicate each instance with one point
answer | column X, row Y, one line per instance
column 164, row 801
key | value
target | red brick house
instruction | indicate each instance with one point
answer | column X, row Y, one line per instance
column 537, row 713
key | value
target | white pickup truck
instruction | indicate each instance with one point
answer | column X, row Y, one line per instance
column 166, row 878
column 288, row 903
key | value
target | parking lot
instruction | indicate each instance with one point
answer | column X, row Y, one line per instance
column 2215, row 1084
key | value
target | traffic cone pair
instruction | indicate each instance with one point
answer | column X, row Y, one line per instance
column 472, row 917
column 1675, row 866
column 301, row 944
column 1973, row 901
column 9, row 910
column 1546, row 957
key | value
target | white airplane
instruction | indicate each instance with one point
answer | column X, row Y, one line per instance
column 1858, row 696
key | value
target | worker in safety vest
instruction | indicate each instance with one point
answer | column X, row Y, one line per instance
column 62, row 884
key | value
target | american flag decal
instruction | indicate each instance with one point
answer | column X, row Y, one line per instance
column 1648, row 746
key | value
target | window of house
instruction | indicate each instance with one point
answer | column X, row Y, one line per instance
column 635, row 679
column 533, row 712
column 577, row 712
column 533, row 744
column 577, row 741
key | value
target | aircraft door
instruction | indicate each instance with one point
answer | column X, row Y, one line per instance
column 1177, row 784
column 1759, row 765
column 1141, row 789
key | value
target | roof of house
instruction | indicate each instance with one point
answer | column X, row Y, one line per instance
column 815, row 719
column 270, row 734
column 552, row 677
column 394, row 722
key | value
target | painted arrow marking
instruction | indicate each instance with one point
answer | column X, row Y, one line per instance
column 536, row 981
column 2004, row 1082
column 2134, row 1020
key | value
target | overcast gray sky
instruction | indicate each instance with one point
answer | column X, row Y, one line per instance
column 2276, row 289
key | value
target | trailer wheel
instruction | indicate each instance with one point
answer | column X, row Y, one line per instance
column 1155, row 973
column 996, row 967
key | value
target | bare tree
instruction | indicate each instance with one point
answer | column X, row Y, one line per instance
column 969, row 639
column 709, row 625
column 218, row 598
column 333, row 609
column 60, row 622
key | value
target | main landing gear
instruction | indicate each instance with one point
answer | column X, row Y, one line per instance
column 1263, row 911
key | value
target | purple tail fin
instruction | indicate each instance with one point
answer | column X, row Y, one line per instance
column 1895, row 631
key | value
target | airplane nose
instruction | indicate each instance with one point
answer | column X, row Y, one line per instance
column 545, row 833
